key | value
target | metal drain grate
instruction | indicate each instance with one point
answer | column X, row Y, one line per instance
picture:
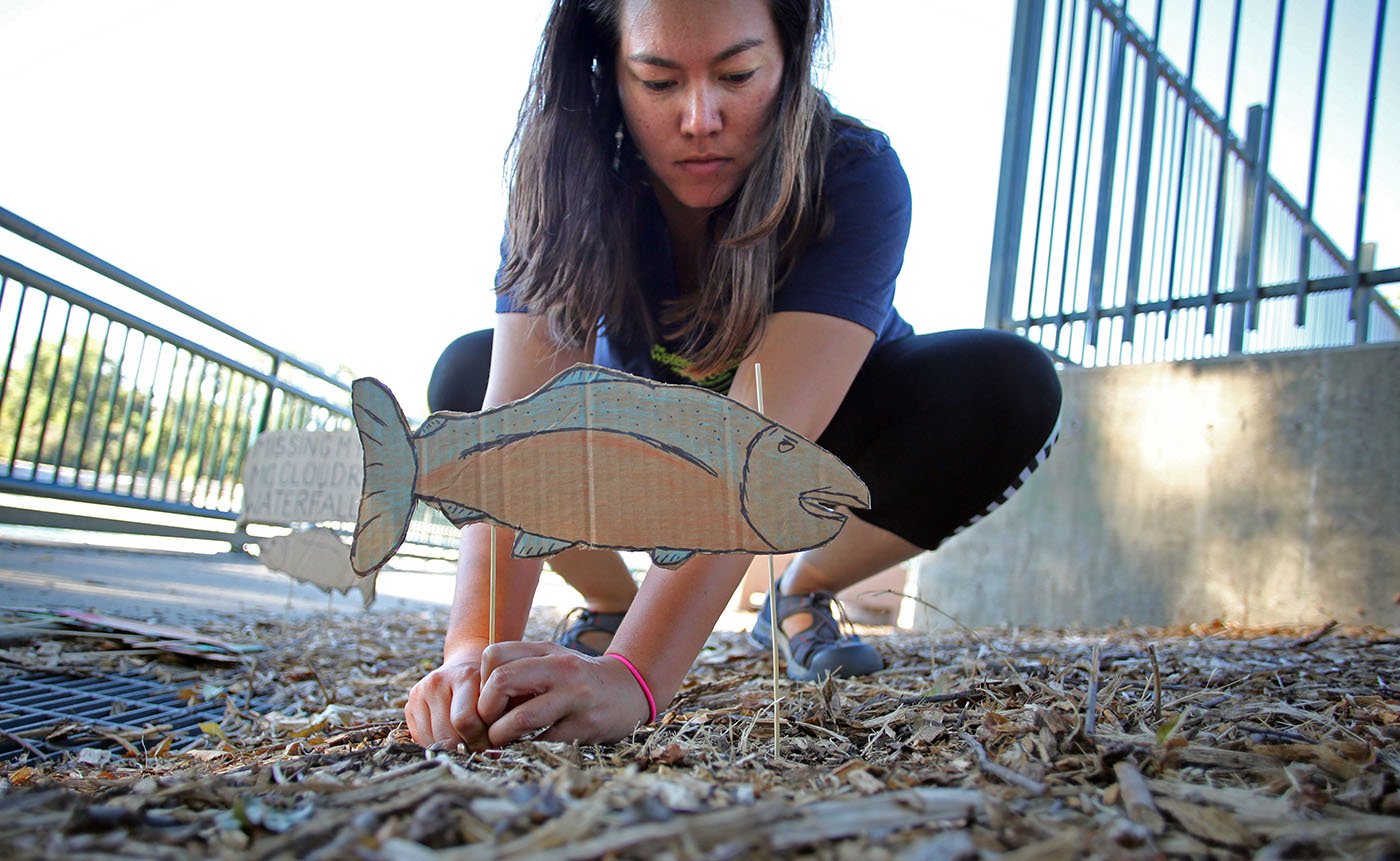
column 33, row 705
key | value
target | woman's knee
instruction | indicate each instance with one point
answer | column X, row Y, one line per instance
column 458, row 382
column 1027, row 374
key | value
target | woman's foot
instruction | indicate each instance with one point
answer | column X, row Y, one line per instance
column 588, row 632
column 820, row 648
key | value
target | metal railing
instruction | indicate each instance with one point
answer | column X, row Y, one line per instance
column 1134, row 225
column 99, row 404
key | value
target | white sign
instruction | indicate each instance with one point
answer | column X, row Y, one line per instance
column 303, row 477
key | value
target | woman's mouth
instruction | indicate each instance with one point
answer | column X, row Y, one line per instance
column 703, row 165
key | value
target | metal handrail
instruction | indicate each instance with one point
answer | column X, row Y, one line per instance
column 98, row 405
column 23, row 274
column 26, row 229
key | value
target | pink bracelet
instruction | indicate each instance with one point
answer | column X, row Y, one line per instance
column 636, row 674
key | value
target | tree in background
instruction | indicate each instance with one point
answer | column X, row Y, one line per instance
column 69, row 408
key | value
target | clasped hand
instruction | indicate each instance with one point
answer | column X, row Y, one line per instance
column 529, row 686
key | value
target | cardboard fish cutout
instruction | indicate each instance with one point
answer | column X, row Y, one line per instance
column 317, row 556
column 600, row 458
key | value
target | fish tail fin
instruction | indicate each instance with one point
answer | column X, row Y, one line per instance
column 391, row 471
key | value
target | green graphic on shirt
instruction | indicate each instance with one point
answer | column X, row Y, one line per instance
column 680, row 365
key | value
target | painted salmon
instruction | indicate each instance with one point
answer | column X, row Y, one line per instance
column 602, row 459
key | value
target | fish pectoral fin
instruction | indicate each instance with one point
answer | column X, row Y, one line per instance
column 458, row 514
column 530, row 546
column 666, row 557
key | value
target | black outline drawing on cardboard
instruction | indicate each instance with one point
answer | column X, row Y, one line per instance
column 602, row 459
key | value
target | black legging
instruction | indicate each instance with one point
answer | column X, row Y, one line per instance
column 943, row 427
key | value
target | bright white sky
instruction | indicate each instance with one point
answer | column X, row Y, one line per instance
column 327, row 176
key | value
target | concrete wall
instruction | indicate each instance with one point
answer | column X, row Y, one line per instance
column 1256, row 490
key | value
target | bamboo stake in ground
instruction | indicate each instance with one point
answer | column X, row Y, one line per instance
column 772, row 592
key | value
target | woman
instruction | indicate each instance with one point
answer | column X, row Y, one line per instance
column 685, row 204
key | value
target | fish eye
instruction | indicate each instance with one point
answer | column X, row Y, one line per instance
column 786, row 444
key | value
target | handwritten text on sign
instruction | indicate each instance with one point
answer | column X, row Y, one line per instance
column 303, row 476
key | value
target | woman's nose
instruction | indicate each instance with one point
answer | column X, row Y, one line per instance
column 702, row 114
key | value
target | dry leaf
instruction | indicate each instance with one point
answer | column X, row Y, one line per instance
column 22, row 775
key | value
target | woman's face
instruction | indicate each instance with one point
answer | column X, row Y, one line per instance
column 698, row 80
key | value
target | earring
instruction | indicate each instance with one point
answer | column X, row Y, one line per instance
column 617, row 149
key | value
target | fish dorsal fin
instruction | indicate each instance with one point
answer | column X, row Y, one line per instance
column 582, row 374
column 665, row 557
column 458, row 514
column 530, row 546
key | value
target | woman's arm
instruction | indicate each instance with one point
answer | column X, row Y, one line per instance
column 809, row 361
column 442, row 707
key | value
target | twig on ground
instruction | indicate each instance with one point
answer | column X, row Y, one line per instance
column 1156, row 684
column 1091, row 700
column 22, row 743
column 1325, row 629
column 1001, row 772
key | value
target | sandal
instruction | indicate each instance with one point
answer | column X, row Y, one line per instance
column 586, row 621
column 821, row 649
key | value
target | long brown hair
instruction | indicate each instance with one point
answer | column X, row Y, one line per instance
column 573, row 219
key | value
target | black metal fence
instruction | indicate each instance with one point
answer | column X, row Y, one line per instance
column 1134, row 224
column 100, row 405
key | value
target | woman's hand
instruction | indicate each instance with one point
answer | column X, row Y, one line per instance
column 442, row 707
column 532, row 686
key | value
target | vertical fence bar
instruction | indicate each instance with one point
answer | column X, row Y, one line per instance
column 248, row 431
column 228, row 431
column 206, row 417
column 1361, row 293
column 165, row 415
column 1060, row 321
column 1015, row 160
column 53, row 386
column 111, row 407
column 140, row 429
column 187, row 434
column 1113, row 279
column 1186, row 156
column 1044, row 157
column 1108, row 168
column 10, row 359
column 1087, row 140
column 85, row 437
column 209, row 442
column 1070, row 30
column 29, row 387
column 1261, row 175
column 1244, row 243
column 1305, row 253
column 179, row 435
column 1144, row 173
column 72, row 404
column 1216, row 251
column 263, row 421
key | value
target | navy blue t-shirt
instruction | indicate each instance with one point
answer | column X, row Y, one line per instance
column 849, row 274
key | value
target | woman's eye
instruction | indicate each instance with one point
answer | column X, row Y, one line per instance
column 740, row 77
column 658, row 86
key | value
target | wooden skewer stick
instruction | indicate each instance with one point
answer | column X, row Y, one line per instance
column 491, row 623
column 772, row 595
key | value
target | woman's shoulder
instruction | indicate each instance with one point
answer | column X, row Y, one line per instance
column 861, row 164
column 852, row 141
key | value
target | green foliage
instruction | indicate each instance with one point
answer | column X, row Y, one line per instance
column 60, row 411
column 72, row 418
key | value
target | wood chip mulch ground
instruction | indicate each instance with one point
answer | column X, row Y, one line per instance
column 1207, row 742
